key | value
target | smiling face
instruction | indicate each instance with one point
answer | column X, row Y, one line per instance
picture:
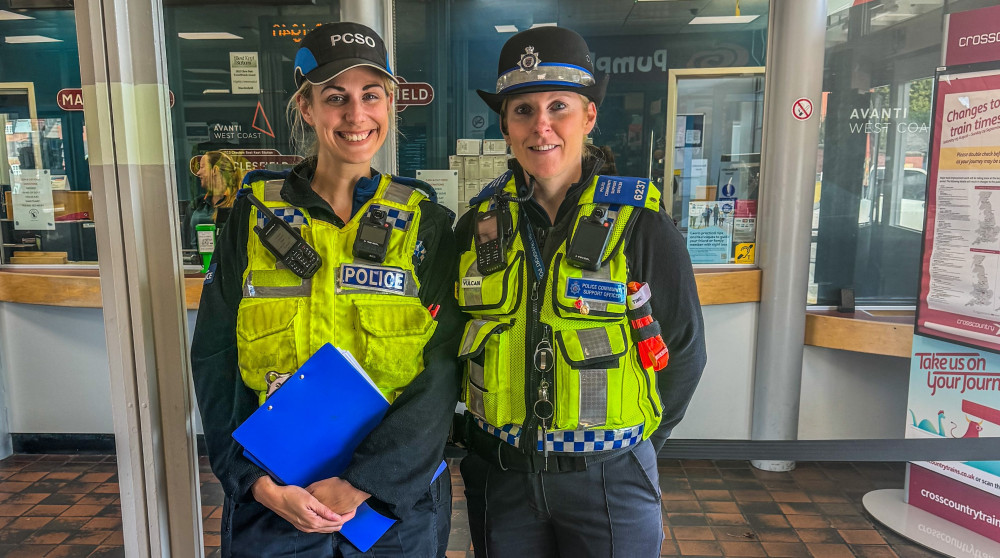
column 350, row 114
column 546, row 132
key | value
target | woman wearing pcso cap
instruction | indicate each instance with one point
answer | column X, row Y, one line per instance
column 578, row 284
column 262, row 316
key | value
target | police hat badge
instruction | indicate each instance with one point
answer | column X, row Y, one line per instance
column 529, row 60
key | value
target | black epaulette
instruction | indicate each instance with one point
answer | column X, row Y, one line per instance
column 491, row 188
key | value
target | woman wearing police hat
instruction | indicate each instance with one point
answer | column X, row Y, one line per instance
column 269, row 303
column 586, row 340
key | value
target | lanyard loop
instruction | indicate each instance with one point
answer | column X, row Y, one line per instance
column 529, row 239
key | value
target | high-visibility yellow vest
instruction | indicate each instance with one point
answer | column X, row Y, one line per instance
column 599, row 384
column 371, row 310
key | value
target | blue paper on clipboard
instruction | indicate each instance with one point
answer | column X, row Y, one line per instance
column 308, row 430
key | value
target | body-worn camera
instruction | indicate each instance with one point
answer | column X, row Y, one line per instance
column 589, row 241
column 372, row 239
column 286, row 243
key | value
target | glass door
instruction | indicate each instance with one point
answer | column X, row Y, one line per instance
column 715, row 122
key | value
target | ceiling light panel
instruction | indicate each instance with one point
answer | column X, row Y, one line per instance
column 208, row 36
column 722, row 20
column 12, row 16
column 25, row 39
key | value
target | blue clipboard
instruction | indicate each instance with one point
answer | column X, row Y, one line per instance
column 309, row 428
column 340, row 406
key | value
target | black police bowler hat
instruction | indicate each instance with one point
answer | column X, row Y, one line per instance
column 545, row 59
column 333, row 48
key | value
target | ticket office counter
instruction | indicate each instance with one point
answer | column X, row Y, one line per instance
column 54, row 365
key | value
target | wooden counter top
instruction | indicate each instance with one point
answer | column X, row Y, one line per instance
column 81, row 288
column 877, row 332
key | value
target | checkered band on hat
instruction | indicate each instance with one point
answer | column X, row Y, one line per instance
column 398, row 218
column 592, row 440
column 510, row 433
column 290, row 215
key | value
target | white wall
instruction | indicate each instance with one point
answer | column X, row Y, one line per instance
column 849, row 395
column 721, row 407
column 56, row 365
column 54, row 368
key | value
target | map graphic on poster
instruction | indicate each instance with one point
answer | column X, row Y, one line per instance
column 959, row 291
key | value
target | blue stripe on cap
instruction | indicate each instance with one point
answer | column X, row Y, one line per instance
column 550, row 82
column 305, row 62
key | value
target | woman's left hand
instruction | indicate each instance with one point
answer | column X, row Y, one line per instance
column 337, row 494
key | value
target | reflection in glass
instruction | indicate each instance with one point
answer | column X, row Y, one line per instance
column 715, row 161
column 872, row 158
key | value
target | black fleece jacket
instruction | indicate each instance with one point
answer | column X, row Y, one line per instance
column 396, row 461
column 656, row 254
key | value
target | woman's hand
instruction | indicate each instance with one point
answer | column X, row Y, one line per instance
column 337, row 494
column 298, row 507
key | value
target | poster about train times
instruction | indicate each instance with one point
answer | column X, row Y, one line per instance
column 960, row 276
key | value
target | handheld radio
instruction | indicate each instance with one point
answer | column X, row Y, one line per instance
column 493, row 228
column 286, row 243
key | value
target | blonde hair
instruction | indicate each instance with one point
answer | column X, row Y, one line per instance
column 230, row 174
column 303, row 136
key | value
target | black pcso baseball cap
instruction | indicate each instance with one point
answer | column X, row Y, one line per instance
column 545, row 59
column 333, row 48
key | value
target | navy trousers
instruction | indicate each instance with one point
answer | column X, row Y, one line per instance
column 610, row 510
column 252, row 530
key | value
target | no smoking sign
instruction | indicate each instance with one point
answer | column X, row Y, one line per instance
column 802, row 109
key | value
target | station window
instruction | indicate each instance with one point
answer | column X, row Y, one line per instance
column 230, row 71
column 48, row 211
column 873, row 154
column 696, row 135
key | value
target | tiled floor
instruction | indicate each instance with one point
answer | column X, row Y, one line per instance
column 68, row 506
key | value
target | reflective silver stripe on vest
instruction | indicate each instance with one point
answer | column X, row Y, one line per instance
column 602, row 274
column 476, row 374
column 398, row 193
column 475, row 399
column 473, row 295
column 593, row 397
column 272, row 190
column 470, row 337
column 595, row 342
column 251, row 291
column 572, row 441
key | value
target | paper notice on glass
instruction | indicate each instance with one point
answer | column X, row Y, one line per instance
column 445, row 183
column 244, row 71
column 31, row 196
column 680, row 131
column 692, row 137
column 699, row 168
